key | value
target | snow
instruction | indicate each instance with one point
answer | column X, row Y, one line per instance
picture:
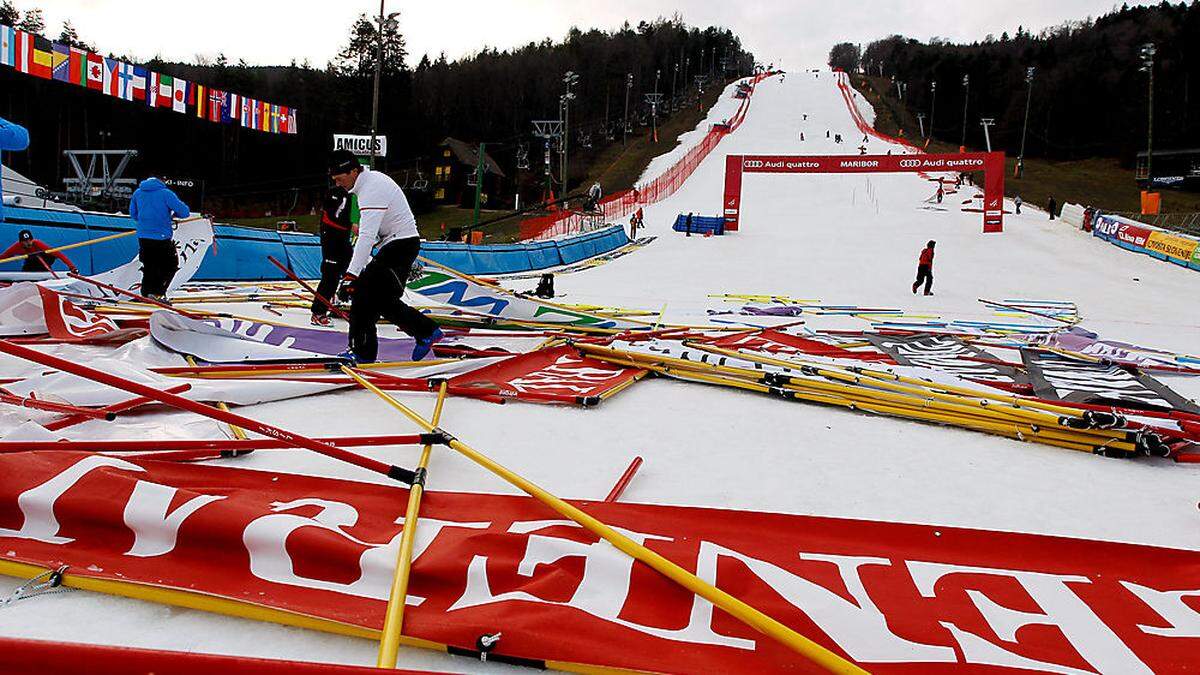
column 840, row 239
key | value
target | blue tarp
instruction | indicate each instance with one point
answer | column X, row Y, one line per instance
column 240, row 253
column 700, row 224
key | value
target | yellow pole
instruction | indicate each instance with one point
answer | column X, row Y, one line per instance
column 246, row 610
column 237, row 431
column 393, row 622
column 736, row 608
column 68, row 247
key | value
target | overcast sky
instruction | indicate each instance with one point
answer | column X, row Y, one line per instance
column 795, row 33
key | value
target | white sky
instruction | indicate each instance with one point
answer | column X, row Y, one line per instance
column 794, row 33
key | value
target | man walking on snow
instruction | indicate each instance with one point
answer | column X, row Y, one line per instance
column 375, row 285
column 337, row 222
column 154, row 208
column 925, row 269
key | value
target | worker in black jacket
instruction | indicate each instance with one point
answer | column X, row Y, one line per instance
column 337, row 226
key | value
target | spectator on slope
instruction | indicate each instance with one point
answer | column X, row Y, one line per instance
column 154, row 208
column 1051, row 206
column 633, row 224
column 687, row 225
column 339, row 217
column 12, row 137
column 1017, row 204
column 592, row 202
column 375, row 283
column 940, row 193
column 40, row 257
column 925, row 269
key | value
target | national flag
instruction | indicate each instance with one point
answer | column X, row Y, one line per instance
column 139, row 83
column 198, row 99
column 292, row 120
column 164, row 92
column 24, row 47
column 43, row 59
column 95, row 72
column 124, row 81
column 60, row 66
column 283, row 119
column 245, row 116
column 77, row 68
column 152, row 88
column 216, row 105
column 8, row 46
column 232, row 108
column 264, row 116
column 179, row 95
column 112, row 80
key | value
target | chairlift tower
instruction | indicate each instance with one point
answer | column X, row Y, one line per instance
column 654, row 100
column 548, row 131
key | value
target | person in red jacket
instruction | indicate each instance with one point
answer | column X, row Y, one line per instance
column 925, row 269
column 40, row 257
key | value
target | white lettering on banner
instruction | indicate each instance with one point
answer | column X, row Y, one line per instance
column 602, row 591
column 266, row 542
column 859, row 164
column 1184, row 621
column 154, row 530
column 1061, row 608
column 857, row 627
column 37, row 503
column 564, row 373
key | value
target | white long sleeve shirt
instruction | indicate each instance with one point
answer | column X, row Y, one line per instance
column 384, row 216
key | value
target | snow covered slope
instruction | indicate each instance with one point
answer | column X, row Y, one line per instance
column 840, row 239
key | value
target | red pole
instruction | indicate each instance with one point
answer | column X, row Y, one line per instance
column 623, row 481
column 135, row 296
column 72, row 420
column 228, row 417
column 292, row 275
column 204, row 444
column 51, row 406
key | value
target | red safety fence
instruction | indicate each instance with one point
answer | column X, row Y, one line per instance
column 619, row 205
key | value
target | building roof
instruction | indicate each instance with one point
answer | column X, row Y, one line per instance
column 468, row 154
column 1169, row 153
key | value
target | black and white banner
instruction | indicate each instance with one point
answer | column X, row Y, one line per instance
column 1058, row 378
column 947, row 354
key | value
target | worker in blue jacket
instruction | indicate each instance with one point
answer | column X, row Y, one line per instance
column 154, row 207
column 12, row 137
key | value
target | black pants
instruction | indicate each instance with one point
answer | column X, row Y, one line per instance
column 336, row 252
column 159, row 265
column 924, row 273
column 378, row 294
column 37, row 262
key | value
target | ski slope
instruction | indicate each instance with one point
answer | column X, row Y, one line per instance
column 840, row 239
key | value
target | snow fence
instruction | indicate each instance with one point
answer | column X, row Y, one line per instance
column 1132, row 235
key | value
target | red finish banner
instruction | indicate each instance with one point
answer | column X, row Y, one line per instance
column 991, row 163
column 558, row 373
column 894, row 598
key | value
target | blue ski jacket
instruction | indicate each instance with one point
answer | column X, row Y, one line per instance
column 12, row 137
column 153, row 207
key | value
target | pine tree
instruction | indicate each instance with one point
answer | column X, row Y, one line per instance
column 33, row 22
column 9, row 14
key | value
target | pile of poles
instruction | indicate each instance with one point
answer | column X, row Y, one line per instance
column 885, row 393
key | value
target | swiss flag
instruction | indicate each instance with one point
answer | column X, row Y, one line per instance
column 95, row 72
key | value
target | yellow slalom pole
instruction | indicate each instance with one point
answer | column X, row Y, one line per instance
column 237, row 431
column 247, row 610
column 68, row 247
column 736, row 608
column 393, row 622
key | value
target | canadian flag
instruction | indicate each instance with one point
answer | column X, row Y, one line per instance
column 95, row 72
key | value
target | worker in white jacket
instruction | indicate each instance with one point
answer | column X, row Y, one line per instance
column 375, row 284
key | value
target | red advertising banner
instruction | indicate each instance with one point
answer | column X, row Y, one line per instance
column 894, row 598
column 991, row 163
column 558, row 373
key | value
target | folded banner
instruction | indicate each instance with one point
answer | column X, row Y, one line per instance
column 558, row 372
column 192, row 237
column 1059, row 378
column 29, row 309
column 1087, row 343
column 950, row 355
column 471, row 295
column 224, row 340
column 895, row 598
column 778, row 342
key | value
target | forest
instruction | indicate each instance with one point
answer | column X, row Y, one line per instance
column 491, row 95
column 1088, row 94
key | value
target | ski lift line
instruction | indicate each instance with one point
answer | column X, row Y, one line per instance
column 722, row 599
